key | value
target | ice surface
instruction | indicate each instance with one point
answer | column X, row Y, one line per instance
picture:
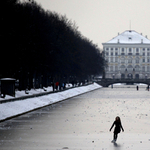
column 82, row 122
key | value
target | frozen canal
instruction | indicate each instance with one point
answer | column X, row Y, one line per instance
column 83, row 123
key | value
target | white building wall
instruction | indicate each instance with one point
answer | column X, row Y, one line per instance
column 127, row 61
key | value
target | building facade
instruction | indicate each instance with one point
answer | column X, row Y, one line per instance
column 127, row 56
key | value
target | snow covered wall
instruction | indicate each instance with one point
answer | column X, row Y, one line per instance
column 12, row 109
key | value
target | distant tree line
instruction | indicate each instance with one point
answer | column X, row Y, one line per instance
column 42, row 46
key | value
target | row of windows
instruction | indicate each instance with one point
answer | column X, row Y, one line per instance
column 129, row 68
column 130, row 60
column 116, row 54
column 130, row 49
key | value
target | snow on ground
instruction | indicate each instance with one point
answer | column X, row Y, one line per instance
column 11, row 109
column 31, row 92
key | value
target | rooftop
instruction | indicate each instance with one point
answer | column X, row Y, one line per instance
column 129, row 37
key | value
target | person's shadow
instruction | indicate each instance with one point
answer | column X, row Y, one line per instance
column 117, row 146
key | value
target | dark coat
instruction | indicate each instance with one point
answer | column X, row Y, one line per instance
column 118, row 127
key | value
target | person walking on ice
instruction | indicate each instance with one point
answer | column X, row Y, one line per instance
column 118, row 127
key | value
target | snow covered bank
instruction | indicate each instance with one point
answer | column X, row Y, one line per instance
column 11, row 109
column 20, row 94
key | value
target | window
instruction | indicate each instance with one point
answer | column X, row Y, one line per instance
column 106, row 60
column 111, row 53
column 116, row 59
column 148, row 60
column 130, row 68
column 116, row 48
column 107, row 54
column 111, row 68
column 148, row 54
column 122, row 49
column 143, row 54
column 137, row 53
column 122, row 60
column 143, row 49
column 111, row 60
column 122, row 53
column 137, row 68
column 143, row 59
column 130, row 38
column 137, row 60
column 137, row 50
column 107, row 48
column 116, row 68
column 116, row 54
column 148, row 49
column 143, row 68
column 130, row 60
column 129, row 53
column 111, row 48
column 122, row 68
column 130, row 50
column 148, row 68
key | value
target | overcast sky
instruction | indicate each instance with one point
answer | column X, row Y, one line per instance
column 101, row 20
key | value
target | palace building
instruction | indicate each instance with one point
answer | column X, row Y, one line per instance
column 127, row 56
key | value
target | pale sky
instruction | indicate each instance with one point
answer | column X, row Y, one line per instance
column 101, row 20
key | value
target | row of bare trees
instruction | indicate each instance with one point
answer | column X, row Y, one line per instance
column 42, row 46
